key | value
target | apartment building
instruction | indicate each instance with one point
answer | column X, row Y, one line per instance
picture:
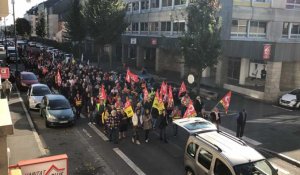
column 260, row 39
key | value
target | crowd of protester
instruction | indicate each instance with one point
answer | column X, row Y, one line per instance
column 83, row 85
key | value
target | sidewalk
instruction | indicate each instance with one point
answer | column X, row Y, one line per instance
column 24, row 144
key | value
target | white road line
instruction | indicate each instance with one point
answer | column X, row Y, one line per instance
column 251, row 141
column 87, row 133
column 36, row 136
column 129, row 162
column 282, row 108
column 280, row 169
column 98, row 132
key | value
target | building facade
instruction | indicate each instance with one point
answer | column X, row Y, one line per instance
column 260, row 40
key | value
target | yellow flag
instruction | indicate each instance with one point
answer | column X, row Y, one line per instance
column 128, row 109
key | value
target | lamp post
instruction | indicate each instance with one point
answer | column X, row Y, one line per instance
column 15, row 34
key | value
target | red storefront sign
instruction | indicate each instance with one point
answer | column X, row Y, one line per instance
column 153, row 41
column 267, row 51
column 4, row 72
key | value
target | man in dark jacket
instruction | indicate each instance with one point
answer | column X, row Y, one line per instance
column 241, row 122
column 198, row 106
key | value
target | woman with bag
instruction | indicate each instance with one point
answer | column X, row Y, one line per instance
column 147, row 124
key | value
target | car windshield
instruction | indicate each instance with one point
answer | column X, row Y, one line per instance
column 198, row 125
column 40, row 91
column 295, row 92
column 28, row 77
column 262, row 167
column 59, row 104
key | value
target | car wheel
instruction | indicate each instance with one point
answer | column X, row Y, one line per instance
column 188, row 171
column 298, row 105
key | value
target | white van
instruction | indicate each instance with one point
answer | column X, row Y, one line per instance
column 212, row 152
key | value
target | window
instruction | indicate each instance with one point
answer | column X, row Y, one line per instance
column 154, row 3
column 135, row 6
column 166, row 3
column 180, row 2
column 205, row 158
column 192, row 149
column 260, row 0
column 221, row 168
column 165, row 26
column 233, row 70
column 144, row 4
column 129, row 7
column 135, row 26
column 258, row 29
column 179, row 26
column 293, row 4
column 295, row 30
column 239, row 28
column 129, row 28
column 285, row 30
column 153, row 26
column 144, row 26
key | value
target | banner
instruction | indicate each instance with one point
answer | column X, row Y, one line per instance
column 128, row 109
column 131, row 76
column 190, row 111
column 182, row 89
column 157, row 102
column 225, row 101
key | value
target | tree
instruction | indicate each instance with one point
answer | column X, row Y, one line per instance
column 40, row 26
column 23, row 27
column 75, row 26
column 105, row 21
column 201, row 44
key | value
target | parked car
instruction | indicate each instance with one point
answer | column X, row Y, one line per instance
column 25, row 79
column 211, row 152
column 11, row 54
column 291, row 99
column 2, row 48
column 35, row 94
column 56, row 110
column 32, row 44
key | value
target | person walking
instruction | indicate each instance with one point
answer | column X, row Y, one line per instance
column 78, row 104
column 176, row 114
column 198, row 106
column 91, row 106
column 163, row 125
column 123, row 123
column 241, row 122
column 6, row 88
column 147, row 124
column 113, row 126
column 215, row 117
column 135, row 125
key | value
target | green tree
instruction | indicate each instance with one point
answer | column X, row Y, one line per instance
column 201, row 44
column 105, row 21
column 40, row 26
column 23, row 27
column 75, row 26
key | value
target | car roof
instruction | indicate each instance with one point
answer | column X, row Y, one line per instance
column 24, row 72
column 234, row 149
column 39, row 85
column 55, row 97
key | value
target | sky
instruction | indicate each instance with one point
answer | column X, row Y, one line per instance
column 21, row 6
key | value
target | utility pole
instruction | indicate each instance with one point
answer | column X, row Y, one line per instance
column 15, row 33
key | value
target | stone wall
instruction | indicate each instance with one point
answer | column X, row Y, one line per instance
column 287, row 76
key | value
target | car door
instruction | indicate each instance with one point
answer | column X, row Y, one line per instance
column 204, row 159
column 195, row 125
column 220, row 167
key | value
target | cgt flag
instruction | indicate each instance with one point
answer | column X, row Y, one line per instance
column 102, row 93
column 190, row 111
column 146, row 94
column 158, row 103
column 182, row 89
column 131, row 76
column 225, row 101
column 170, row 97
column 128, row 109
column 58, row 78
column 163, row 88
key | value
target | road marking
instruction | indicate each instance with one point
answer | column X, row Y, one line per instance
column 251, row 141
column 98, row 132
column 36, row 136
column 282, row 108
column 129, row 162
column 104, row 166
column 280, row 169
column 87, row 133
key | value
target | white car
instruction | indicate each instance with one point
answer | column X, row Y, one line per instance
column 291, row 99
column 35, row 94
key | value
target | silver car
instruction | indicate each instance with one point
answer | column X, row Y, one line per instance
column 56, row 110
column 35, row 94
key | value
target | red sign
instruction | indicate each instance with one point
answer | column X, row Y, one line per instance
column 153, row 41
column 267, row 51
column 4, row 72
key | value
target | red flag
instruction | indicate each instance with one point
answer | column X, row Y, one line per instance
column 225, row 101
column 146, row 94
column 128, row 76
column 190, row 111
column 182, row 89
column 58, row 78
column 170, row 97
column 102, row 94
column 163, row 88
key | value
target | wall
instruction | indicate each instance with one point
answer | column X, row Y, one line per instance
column 287, row 76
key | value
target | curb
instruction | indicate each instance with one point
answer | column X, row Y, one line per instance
column 282, row 156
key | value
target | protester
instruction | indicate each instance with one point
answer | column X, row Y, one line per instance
column 91, row 106
column 241, row 122
column 215, row 117
column 113, row 126
column 123, row 123
column 147, row 124
column 135, row 125
column 162, row 126
column 78, row 105
column 176, row 114
column 6, row 88
column 198, row 104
